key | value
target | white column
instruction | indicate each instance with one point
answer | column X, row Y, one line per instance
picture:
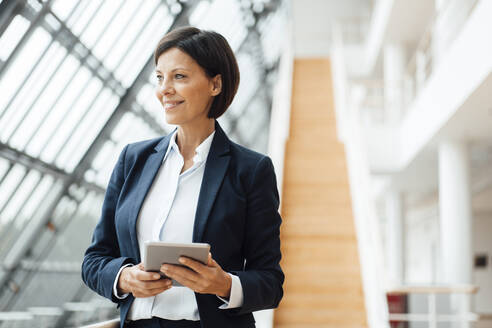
column 394, row 71
column 394, row 237
column 455, row 218
column 455, row 212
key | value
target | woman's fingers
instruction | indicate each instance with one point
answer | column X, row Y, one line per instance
column 153, row 284
column 205, row 279
column 176, row 271
column 149, row 292
column 194, row 265
column 186, row 282
column 145, row 284
column 150, row 284
column 146, row 276
column 150, row 288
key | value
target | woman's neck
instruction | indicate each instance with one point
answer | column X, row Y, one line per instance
column 190, row 137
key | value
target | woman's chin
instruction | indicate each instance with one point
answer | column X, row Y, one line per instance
column 172, row 118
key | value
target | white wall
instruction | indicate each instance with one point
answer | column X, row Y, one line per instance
column 422, row 244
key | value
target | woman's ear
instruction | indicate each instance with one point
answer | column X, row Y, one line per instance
column 216, row 84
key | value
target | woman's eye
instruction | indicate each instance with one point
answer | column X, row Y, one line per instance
column 159, row 77
column 179, row 76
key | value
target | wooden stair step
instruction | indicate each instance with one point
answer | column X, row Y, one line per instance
column 323, row 286
column 327, row 316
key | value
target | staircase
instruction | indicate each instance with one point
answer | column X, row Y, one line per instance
column 320, row 259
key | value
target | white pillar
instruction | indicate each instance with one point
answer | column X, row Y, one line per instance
column 455, row 219
column 455, row 212
column 394, row 238
column 394, row 72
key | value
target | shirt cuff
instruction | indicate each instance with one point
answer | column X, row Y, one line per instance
column 115, row 284
column 236, row 297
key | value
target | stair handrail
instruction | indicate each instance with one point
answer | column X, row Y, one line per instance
column 365, row 220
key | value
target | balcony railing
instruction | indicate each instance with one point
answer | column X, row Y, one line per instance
column 380, row 106
column 438, row 36
column 462, row 315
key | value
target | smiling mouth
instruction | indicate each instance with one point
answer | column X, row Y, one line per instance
column 172, row 105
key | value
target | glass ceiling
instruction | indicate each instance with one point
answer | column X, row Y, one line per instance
column 76, row 86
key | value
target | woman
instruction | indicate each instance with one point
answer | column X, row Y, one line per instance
column 193, row 185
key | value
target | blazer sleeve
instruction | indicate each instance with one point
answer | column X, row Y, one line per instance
column 262, row 278
column 102, row 260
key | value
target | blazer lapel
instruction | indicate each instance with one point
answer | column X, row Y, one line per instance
column 215, row 169
column 149, row 171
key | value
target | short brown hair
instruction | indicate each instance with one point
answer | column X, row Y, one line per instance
column 212, row 52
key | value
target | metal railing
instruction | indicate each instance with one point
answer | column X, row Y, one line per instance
column 464, row 316
column 115, row 323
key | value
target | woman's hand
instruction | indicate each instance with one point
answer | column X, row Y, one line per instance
column 203, row 279
column 140, row 283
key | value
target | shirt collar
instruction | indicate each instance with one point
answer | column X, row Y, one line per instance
column 201, row 152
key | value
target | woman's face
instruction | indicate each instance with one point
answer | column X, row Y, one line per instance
column 183, row 88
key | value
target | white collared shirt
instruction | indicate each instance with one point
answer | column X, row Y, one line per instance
column 168, row 214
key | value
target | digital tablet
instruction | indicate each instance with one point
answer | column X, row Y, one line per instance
column 157, row 253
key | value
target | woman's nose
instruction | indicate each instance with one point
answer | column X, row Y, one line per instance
column 165, row 88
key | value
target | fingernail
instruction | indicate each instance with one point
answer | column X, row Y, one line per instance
column 157, row 276
column 181, row 260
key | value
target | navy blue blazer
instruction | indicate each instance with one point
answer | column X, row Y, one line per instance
column 237, row 214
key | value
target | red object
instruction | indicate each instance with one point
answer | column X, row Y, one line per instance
column 397, row 304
